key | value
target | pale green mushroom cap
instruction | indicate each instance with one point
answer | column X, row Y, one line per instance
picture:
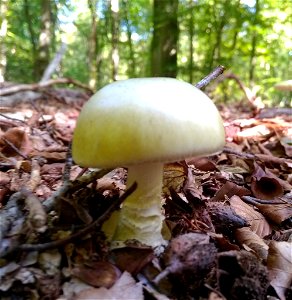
column 146, row 120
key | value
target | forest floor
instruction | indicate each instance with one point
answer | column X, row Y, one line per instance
column 229, row 215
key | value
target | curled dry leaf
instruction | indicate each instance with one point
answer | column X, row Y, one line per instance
column 230, row 189
column 124, row 289
column 97, row 274
column 251, row 241
column 202, row 163
column 277, row 213
column 279, row 264
column 265, row 186
column 132, row 258
column 16, row 137
column 257, row 221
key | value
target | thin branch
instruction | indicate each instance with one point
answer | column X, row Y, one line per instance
column 37, row 86
column 82, row 232
column 210, row 77
column 73, row 186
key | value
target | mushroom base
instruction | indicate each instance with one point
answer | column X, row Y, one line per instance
column 140, row 217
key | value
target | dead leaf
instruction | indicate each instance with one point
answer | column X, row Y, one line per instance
column 277, row 213
column 97, row 274
column 16, row 137
column 202, row 163
column 265, row 186
column 132, row 259
column 49, row 156
column 174, row 177
column 257, row 221
column 248, row 238
column 279, row 264
column 124, row 289
column 228, row 190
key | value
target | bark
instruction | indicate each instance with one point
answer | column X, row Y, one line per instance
column 165, row 38
column 44, row 39
column 3, row 33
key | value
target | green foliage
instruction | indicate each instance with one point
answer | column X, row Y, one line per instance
column 251, row 40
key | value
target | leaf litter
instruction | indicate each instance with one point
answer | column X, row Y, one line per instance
column 228, row 216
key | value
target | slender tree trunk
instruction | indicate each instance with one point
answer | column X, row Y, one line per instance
column 191, row 42
column 92, row 51
column 216, row 50
column 252, row 58
column 132, row 60
column 32, row 37
column 45, row 37
column 165, row 38
column 3, row 33
column 115, row 38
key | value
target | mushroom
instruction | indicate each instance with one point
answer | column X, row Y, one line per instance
column 141, row 124
column 284, row 85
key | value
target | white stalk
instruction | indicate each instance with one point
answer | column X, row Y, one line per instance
column 141, row 217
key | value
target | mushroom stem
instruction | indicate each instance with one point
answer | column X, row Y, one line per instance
column 141, row 217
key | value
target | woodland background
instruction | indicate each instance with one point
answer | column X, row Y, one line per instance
column 105, row 40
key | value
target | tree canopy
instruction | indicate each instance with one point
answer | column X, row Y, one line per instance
column 116, row 39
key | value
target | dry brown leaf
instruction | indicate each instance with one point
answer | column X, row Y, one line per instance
column 16, row 137
column 49, row 156
column 230, row 189
column 257, row 221
column 250, row 239
column 174, row 177
column 277, row 213
column 279, row 264
column 124, row 289
column 132, row 259
column 97, row 274
column 265, row 186
column 202, row 163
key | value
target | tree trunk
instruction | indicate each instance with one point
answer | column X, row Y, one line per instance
column 165, row 38
column 191, row 42
column 53, row 65
column 252, row 58
column 45, row 37
column 216, row 50
column 92, row 50
column 132, row 60
column 115, row 38
column 3, row 33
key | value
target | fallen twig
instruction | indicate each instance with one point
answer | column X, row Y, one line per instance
column 73, row 186
column 213, row 75
column 82, row 232
column 261, row 157
column 36, row 86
